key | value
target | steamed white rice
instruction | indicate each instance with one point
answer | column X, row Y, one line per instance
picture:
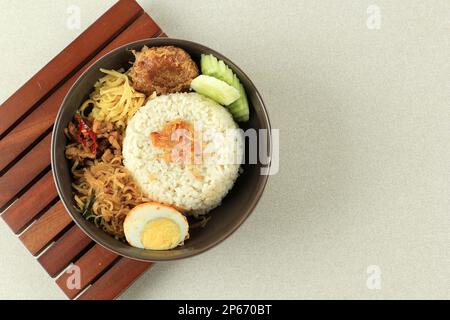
column 175, row 184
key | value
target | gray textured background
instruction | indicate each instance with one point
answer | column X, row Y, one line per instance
column 364, row 120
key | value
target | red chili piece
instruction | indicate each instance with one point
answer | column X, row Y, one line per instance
column 84, row 133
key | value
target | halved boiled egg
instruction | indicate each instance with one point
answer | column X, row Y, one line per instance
column 155, row 226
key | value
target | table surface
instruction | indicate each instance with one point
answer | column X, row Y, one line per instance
column 360, row 205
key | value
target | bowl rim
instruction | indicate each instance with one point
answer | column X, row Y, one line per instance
column 76, row 216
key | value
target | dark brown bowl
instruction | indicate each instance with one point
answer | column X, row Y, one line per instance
column 226, row 218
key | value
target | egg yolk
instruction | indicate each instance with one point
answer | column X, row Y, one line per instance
column 160, row 234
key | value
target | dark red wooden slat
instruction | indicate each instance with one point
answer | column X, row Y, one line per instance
column 116, row 280
column 91, row 265
column 64, row 251
column 24, row 210
column 43, row 117
column 24, row 171
column 87, row 44
column 46, row 228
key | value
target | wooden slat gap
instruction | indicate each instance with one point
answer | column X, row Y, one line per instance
column 6, row 208
column 66, row 265
column 48, row 247
column 69, row 248
column 24, row 152
column 55, row 239
column 25, row 188
column 82, row 264
column 112, row 264
column 31, row 203
column 118, row 278
column 25, row 227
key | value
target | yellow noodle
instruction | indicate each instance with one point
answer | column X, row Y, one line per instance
column 114, row 99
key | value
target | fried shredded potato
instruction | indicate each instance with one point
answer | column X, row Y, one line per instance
column 105, row 192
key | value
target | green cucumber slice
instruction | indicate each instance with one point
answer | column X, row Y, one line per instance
column 215, row 89
column 207, row 64
column 224, row 73
column 213, row 67
column 240, row 109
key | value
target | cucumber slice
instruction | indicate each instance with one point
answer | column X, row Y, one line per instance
column 215, row 89
column 207, row 64
column 213, row 67
column 224, row 73
column 239, row 109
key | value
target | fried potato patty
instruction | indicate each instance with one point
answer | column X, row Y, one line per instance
column 163, row 70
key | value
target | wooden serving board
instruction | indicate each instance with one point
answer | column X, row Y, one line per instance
column 28, row 198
